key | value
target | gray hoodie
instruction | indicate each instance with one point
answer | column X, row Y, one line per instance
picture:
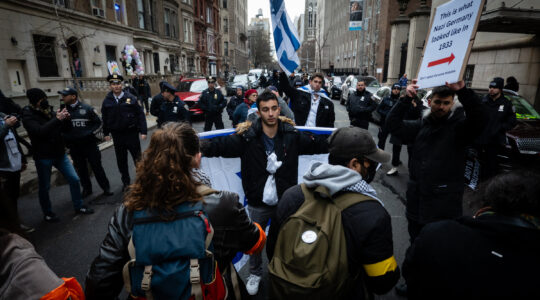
column 338, row 178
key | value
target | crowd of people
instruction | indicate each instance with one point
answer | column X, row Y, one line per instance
column 330, row 237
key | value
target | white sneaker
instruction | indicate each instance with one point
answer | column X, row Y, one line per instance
column 392, row 171
column 252, row 285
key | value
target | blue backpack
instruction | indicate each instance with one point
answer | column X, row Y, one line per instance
column 171, row 257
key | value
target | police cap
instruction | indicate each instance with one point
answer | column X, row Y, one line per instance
column 115, row 78
column 211, row 79
column 68, row 91
column 167, row 87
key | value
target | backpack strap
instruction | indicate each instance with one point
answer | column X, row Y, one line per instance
column 234, row 281
column 195, row 279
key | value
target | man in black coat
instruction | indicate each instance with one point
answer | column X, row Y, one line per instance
column 493, row 255
column 253, row 144
column 235, row 100
column 212, row 104
column 45, row 131
column 157, row 100
column 500, row 117
column 143, row 91
column 124, row 119
column 310, row 104
column 82, row 142
column 360, row 106
column 439, row 141
column 173, row 109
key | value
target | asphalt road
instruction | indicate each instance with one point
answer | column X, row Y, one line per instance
column 70, row 245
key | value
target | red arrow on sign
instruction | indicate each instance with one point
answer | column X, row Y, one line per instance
column 448, row 59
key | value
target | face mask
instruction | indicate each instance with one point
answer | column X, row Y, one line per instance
column 371, row 171
column 44, row 104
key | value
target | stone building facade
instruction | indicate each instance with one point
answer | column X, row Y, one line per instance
column 233, row 14
column 39, row 40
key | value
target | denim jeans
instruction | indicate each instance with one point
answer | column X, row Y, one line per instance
column 260, row 215
column 44, row 169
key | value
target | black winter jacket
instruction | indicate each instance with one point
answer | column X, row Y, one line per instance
column 84, row 121
column 386, row 105
column 126, row 115
column 156, row 104
column 45, row 132
column 249, row 146
column 173, row 111
column 489, row 257
column 142, row 87
column 233, row 103
column 437, row 159
column 233, row 232
column 368, row 232
column 500, row 117
column 360, row 106
column 212, row 102
column 301, row 104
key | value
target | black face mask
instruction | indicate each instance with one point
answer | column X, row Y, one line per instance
column 370, row 172
column 44, row 104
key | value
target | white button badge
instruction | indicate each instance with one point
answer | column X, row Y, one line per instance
column 309, row 237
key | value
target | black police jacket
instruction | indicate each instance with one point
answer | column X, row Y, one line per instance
column 173, row 111
column 500, row 117
column 360, row 106
column 123, row 115
column 233, row 232
column 45, row 132
column 301, row 105
column 248, row 144
column 437, row 159
column 85, row 122
column 212, row 101
column 487, row 257
column 155, row 106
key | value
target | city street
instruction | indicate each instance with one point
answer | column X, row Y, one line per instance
column 70, row 245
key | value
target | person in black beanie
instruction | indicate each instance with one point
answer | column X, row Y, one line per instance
column 500, row 117
column 512, row 84
column 45, row 128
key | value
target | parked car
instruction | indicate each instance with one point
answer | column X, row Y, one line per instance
column 335, row 90
column 254, row 81
column 241, row 79
column 189, row 90
column 349, row 85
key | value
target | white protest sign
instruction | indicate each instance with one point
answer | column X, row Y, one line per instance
column 448, row 45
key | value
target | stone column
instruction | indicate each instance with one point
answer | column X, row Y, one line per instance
column 417, row 35
column 398, row 36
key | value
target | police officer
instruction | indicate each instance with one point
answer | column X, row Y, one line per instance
column 82, row 143
column 172, row 109
column 157, row 100
column 212, row 103
column 143, row 90
column 124, row 119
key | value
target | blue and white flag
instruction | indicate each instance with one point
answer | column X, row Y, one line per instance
column 285, row 37
column 225, row 173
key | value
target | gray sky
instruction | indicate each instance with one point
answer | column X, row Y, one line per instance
column 294, row 8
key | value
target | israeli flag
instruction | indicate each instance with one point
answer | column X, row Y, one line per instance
column 285, row 37
column 225, row 173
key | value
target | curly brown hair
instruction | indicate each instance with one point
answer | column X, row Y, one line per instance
column 164, row 174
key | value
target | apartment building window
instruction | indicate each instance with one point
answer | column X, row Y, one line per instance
column 224, row 4
column 167, row 22
column 170, row 20
column 225, row 25
column 110, row 53
column 45, row 55
column 118, row 11
column 209, row 15
column 156, row 63
column 140, row 13
column 188, row 31
column 186, row 1
column 62, row 3
column 152, row 18
column 226, row 48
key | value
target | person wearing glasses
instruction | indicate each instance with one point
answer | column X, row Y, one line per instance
column 310, row 103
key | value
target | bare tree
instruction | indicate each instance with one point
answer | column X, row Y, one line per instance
column 260, row 48
column 320, row 43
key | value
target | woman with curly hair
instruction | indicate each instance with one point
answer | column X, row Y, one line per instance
column 168, row 175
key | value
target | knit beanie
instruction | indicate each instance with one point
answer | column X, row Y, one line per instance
column 35, row 94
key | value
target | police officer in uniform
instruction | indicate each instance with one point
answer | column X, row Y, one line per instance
column 172, row 109
column 212, row 103
column 157, row 100
column 124, row 119
column 82, row 142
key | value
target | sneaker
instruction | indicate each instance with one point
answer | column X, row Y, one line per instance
column 252, row 285
column 392, row 172
column 84, row 211
column 51, row 217
column 26, row 228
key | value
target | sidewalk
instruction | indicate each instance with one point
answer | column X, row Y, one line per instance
column 29, row 179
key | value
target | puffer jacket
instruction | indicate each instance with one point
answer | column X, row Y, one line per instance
column 233, row 232
column 437, row 160
column 248, row 144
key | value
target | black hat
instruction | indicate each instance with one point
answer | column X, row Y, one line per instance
column 68, row 91
column 349, row 142
column 166, row 87
column 396, row 86
column 161, row 85
column 35, row 94
column 211, row 79
column 115, row 78
column 497, row 83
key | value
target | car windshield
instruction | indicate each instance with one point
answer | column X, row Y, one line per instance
column 524, row 110
column 252, row 78
column 193, row 86
column 240, row 79
column 370, row 82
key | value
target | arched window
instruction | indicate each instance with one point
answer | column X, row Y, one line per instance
column 310, row 16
